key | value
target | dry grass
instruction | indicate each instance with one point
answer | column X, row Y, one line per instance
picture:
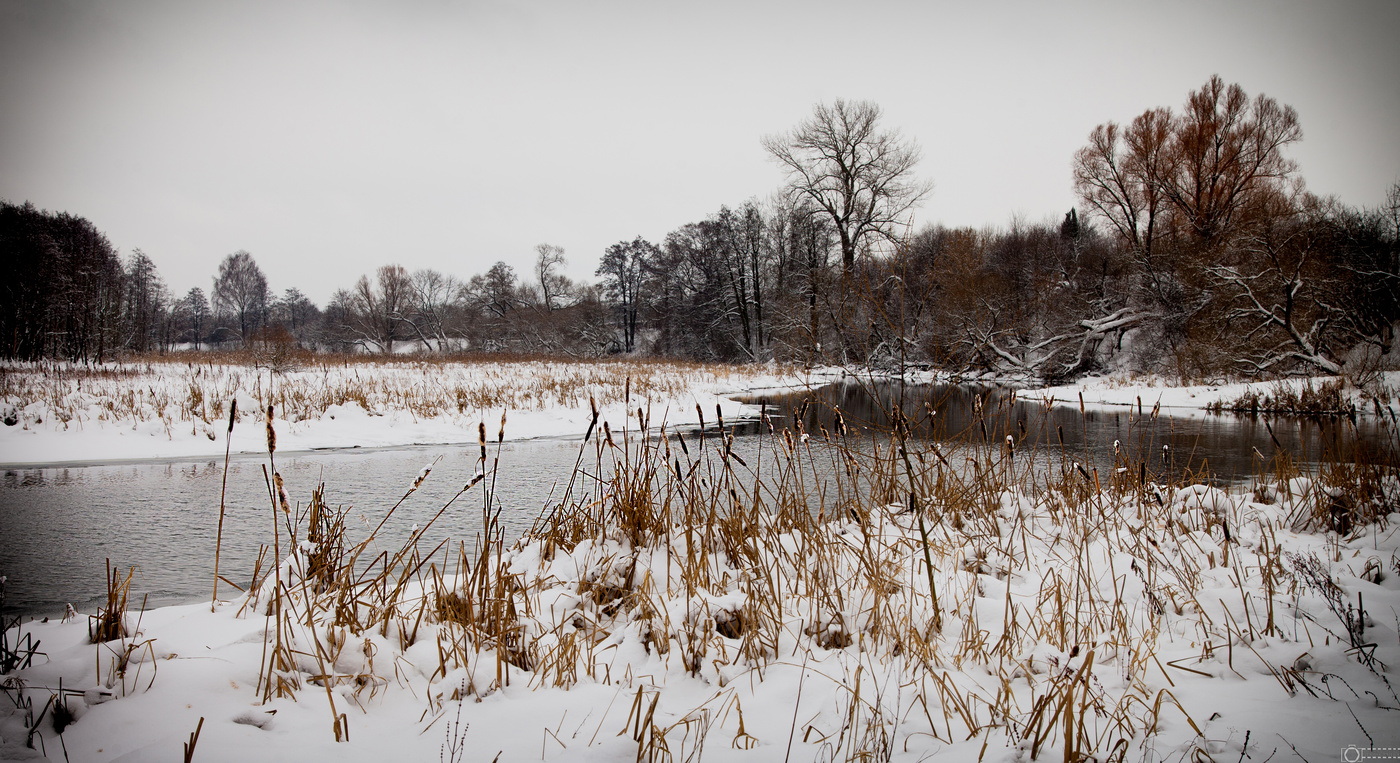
column 1326, row 399
column 968, row 596
column 192, row 395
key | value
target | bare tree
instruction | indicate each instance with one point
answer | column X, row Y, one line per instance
column 623, row 270
column 861, row 177
column 1227, row 157
column 1284, row 297
column 553, row 285
column 373, row 312
column 294, row 312
column 436, row 298
column 495, row 291
column 240, row 292
column 196, row 309
column 1119, row 177
column 144, row 304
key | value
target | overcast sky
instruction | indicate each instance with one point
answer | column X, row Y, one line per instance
column 328, row 139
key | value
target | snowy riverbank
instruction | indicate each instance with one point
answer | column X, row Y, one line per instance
column 1191, row 400
column 62, row 413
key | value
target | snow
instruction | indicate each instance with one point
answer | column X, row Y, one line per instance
column 64, row 414
column 620, row 652
column 1150, row 391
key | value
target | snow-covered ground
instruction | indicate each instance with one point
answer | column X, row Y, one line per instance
column 1121, row 625
column 1032, row 617
column 1122, row 391
column 60, row 413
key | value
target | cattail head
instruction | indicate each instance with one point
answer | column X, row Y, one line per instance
column 501, row 435
column 481, row 438
column 281, row 493
column 232, row 414
column 271, row 433
column 421, row 476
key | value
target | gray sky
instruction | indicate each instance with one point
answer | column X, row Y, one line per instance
column 328, row 139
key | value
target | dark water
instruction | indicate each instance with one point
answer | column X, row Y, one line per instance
column 1229, row 448
column 58, row 525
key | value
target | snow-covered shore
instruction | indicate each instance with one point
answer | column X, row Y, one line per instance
column 1191, row 400
column 60, row 413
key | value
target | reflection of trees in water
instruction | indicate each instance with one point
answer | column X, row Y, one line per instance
column 1229, row 447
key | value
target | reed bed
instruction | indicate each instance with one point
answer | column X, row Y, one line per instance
column 968, row 599
column 195, row 395
column 1328, row 398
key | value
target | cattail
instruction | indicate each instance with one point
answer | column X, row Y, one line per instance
column 481, row 438
column 593, row 422
column 271, row 433
column 281, row 492
column 501, row 435
column 232, row 414
column 421, row 476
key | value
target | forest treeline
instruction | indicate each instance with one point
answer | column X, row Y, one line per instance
column 1195, row 250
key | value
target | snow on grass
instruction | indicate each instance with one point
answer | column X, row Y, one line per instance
column 1117, row 391
column 674, row 611
column 58, row 412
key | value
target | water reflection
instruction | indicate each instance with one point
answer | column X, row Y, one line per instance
column 1229, row 448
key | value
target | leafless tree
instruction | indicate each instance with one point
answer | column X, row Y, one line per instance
column 1119, row 176
column 144, row 304
column 436, row 300
column 240, row 292
column 861, row 177
column 553, row 285
column 1227, row 157
column 373, row 313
